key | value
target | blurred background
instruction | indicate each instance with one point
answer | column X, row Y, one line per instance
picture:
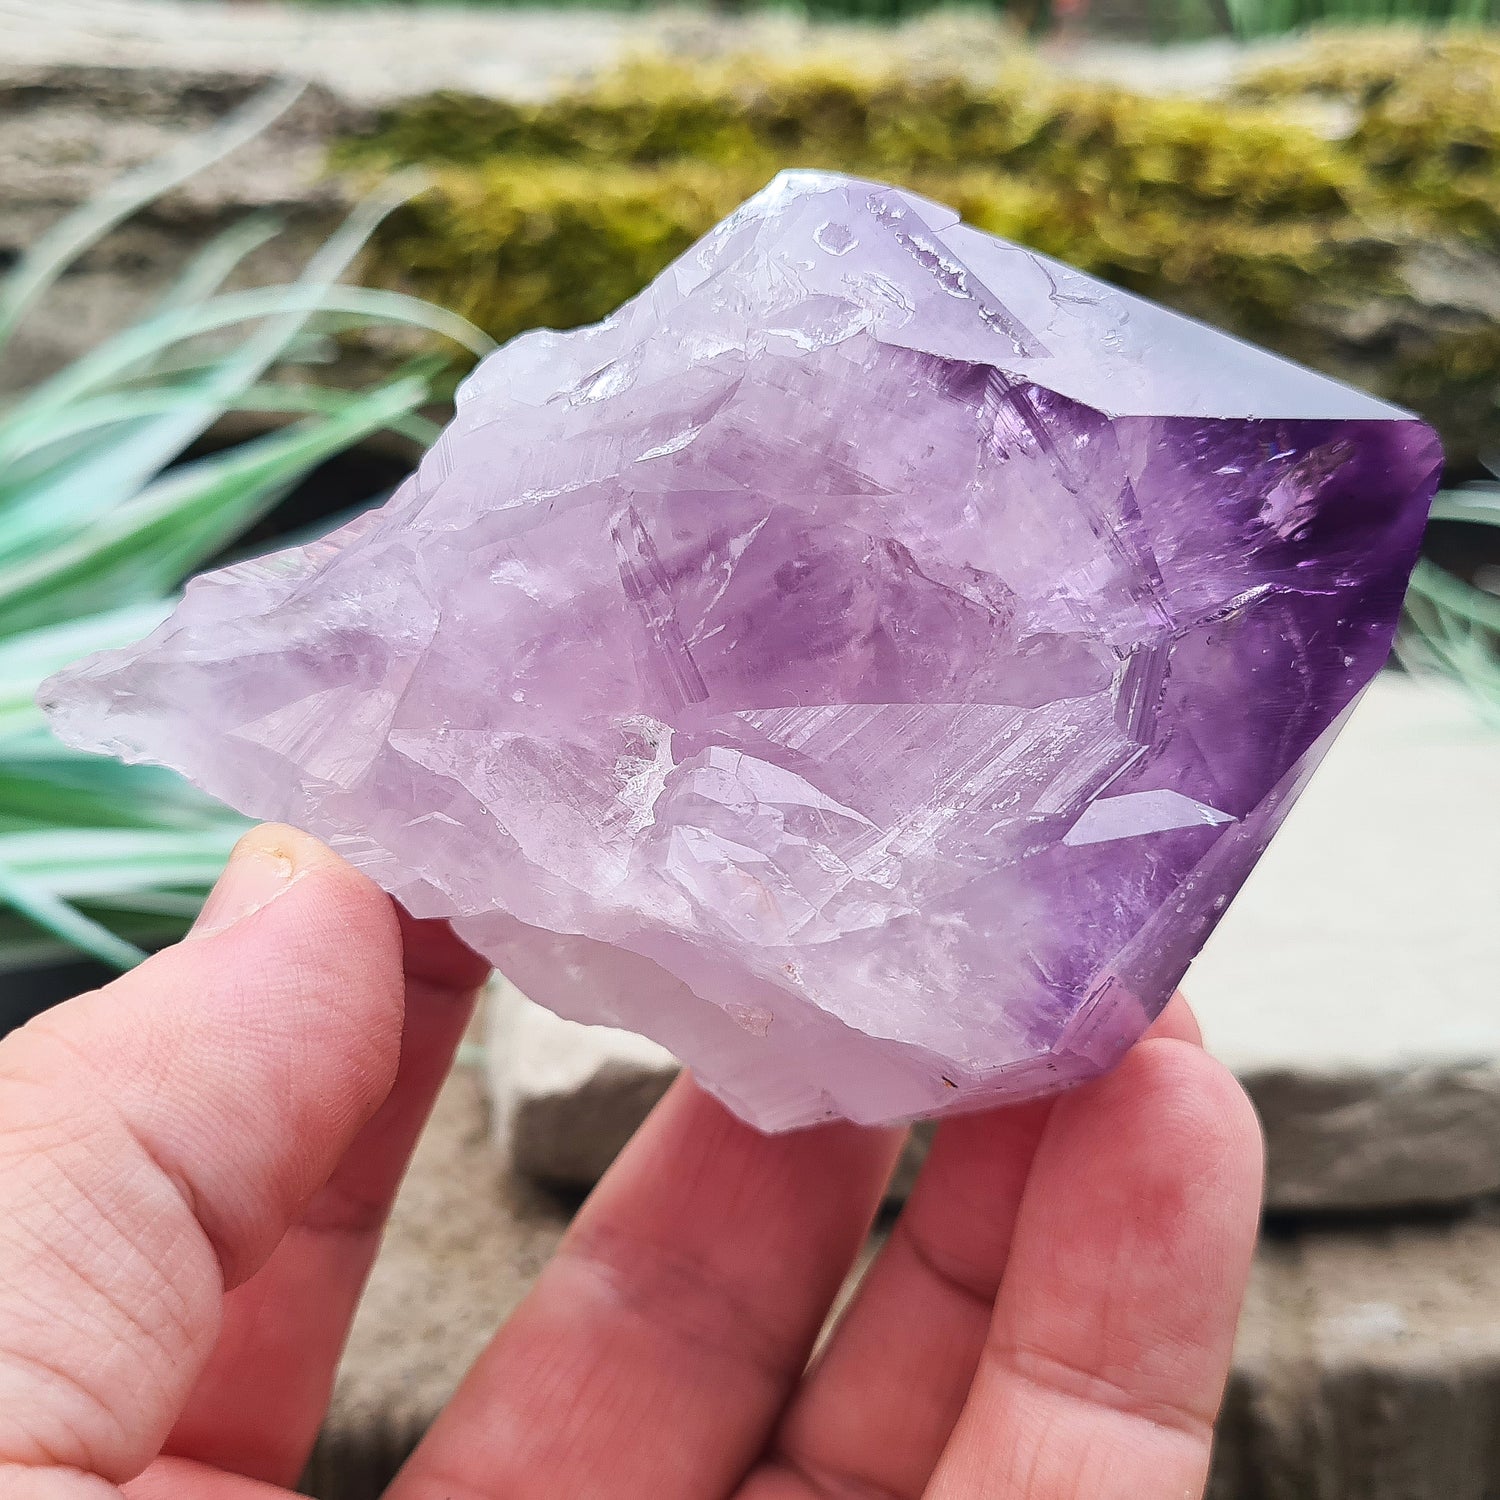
column 247, row 250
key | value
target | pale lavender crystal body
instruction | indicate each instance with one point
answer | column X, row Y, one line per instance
column 868, row 663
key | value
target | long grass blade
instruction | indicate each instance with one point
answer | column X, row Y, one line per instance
column 69, row 925
column 145, row 548
column 218, row 260
column 67, row 788
column 96, row 415
column 90, row 863
column 26, row 424
column 105, row 479
column 56, row 250
column 97, row 527
column 1475, row 503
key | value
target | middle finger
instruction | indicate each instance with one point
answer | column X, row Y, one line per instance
column 657, row 1350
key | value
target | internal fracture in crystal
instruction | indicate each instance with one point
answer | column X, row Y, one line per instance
column 867, row 663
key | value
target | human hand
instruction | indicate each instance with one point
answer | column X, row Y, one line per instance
column 196, row 1160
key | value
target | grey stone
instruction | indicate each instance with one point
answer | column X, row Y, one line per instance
column 1367, row 1365
column 1379, row 1140
column 463, row 1246
column 565, row 1097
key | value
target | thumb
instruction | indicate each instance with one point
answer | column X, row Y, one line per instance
column 158, row 1136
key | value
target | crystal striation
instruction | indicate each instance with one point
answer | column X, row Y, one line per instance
column 867, row 663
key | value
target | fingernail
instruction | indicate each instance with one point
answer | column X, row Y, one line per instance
column 259, row 870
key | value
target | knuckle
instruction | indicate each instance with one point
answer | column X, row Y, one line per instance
column 680, row 1296
column 1120, row 1390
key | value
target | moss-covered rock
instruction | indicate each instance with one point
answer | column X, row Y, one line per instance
column 1373, row 255
column 552, row 244
column 1425, row 116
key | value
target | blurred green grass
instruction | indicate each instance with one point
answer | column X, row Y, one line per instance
column 101, row 520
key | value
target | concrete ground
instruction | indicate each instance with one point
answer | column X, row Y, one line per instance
column 1368, row 933
column 1352, row 983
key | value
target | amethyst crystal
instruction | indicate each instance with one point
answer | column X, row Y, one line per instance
column 867, row 663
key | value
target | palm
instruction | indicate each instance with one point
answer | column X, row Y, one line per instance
column 1050, row 1317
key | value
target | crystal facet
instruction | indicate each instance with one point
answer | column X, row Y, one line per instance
column 867, row 663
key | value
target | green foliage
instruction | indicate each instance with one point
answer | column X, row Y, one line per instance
column 100, row 523
column 532, row 199
column 1265, row 18
column 562, row 245
column 1238, row 212
column 1450, row 625
column 755, row 117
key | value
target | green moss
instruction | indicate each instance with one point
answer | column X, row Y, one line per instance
column 648, row 113
column 754, row 117
column 553, row 213
column 1424, row 117
column 602, row 186
column 555, row 244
